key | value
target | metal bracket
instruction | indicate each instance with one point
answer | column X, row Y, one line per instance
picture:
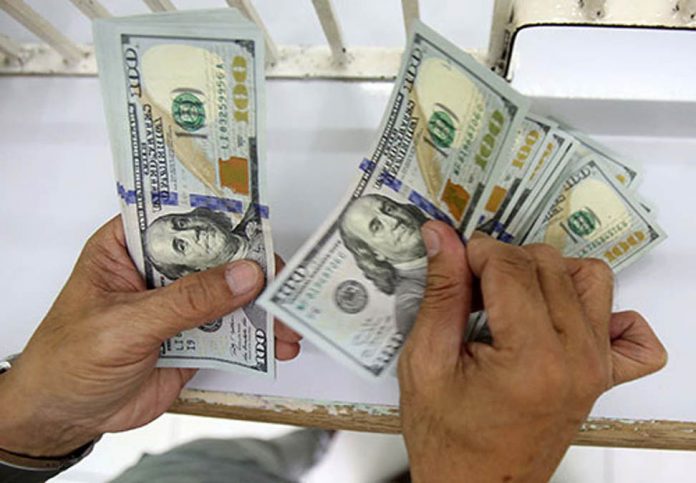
column 512, row 16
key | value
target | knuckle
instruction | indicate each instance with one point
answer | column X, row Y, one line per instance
column 442, row 286
column 599, row 270
column 513, row 261
column 662, row 358
column 543, row 251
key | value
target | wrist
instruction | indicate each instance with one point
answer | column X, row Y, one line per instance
column 511, row 460
column 27, row 426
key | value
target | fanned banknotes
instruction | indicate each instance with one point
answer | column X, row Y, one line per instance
column 590, row 215
column 184, row 99
column 356, row 285
column 456, row 144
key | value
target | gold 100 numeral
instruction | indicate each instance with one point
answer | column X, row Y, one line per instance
column 624, row 246
column 526, row 150
column 495, row 125
column 240, row 93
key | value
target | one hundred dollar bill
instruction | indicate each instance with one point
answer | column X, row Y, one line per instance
column 591, row 215
column 548, row 168
column 355, row 287
column 448, row 129
column 585, row 213
column 624, row 171
column 527, row 149
column 184, row 99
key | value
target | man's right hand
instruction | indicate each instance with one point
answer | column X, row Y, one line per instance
column 509, row 411
column 90, row 366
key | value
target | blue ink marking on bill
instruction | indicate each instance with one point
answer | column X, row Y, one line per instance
column 128, row 196
column 262, row 210
column 215, row 203
column 390, row 181
column 499, row 227
column 165, row 198
column 422, row 202
column 367, row 165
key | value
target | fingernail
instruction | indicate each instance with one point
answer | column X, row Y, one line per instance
column 242, row 276
column 431, row 238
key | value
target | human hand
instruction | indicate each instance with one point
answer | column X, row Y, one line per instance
column 509, row 411
column 90, row 366
column 287, row 341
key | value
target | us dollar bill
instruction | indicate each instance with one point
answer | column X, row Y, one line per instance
column 547, row 169
column 448, row 126
column 527, row 149
column 586, row 212
column 355, row 287
column 591, row 215
column 184, row 99
column 625, row 171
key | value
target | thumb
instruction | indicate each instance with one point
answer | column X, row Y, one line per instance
column 437, row 335
column 199, row 298
column 635, row 349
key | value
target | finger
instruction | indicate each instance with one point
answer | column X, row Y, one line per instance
column 436, row 337
column 567, row 315
column 511, row 293
column 198, row 298
column 279, row 263
column 282, row 331
column 105, row 264
column 635, row 349
column 285, row 351
column 594, row 283
column 111, row 235
column 285, row 333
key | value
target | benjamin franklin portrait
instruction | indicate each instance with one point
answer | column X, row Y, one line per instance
column 384, row 238
column 182, row 243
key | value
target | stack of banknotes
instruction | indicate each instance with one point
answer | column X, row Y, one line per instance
column 184, row 100
column 457, row 144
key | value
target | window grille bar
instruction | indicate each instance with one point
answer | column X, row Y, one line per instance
column 411, row 12
column 160, row 5
column 38, row 25
column 332, row 30
column 10, row 48
column 92, row 9
column 686, row 9
column 498, row 41
column 248, row 9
